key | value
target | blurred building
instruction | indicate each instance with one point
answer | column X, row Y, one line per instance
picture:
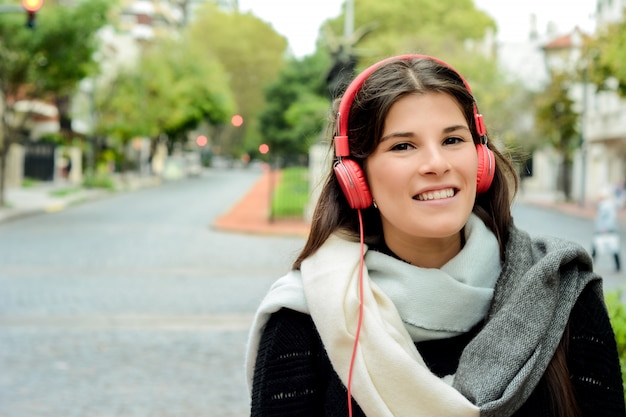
column 604, row 123
column 602, row 157
column 525, row 62
column 601, row 160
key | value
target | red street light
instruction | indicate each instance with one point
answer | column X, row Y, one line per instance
column 202, row 140
column 236, row 120
column 32, row 5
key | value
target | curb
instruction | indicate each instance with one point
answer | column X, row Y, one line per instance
column 9, row 214
column 296, row 228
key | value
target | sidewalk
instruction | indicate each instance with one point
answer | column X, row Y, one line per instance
column 588, row 210
column 48, row 197
column 251, row 214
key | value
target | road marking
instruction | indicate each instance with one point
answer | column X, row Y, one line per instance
column 51, row 208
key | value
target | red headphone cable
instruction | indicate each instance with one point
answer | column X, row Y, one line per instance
column 360, row 321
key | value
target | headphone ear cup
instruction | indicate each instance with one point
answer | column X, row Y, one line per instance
column 353, row 184
column 486, row 168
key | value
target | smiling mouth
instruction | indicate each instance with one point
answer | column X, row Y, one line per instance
column 435, row 195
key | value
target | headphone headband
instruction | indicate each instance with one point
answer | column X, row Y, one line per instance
column 341, row 139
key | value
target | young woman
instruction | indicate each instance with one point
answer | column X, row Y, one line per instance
column 415, row 294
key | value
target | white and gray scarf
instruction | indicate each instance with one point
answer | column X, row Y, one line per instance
column 403, row 304
column 540, row 282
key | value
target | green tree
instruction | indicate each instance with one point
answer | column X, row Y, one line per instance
column 557, row 122
column 251, row 53
column 44, row 63
column 174, row 88
column 430, row 27
column 606, row 55
column 297, row 107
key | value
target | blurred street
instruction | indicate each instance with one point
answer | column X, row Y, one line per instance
column 135, row 305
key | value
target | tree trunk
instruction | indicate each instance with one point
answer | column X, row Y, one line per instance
column 4, row 151
column 566, row 178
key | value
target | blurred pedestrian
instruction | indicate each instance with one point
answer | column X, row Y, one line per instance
column 415, row 294
column 606, row 237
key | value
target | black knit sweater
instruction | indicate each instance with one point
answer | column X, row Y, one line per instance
column 293, row 375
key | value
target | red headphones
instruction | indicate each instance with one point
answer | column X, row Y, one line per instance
column 350, row 175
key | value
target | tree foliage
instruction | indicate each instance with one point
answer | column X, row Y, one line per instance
column 45, row 62
column 418, row 26
column 51, row 58
column 172, row 90
column 557, row 121
column 250, row 51
column 297, row 107
column 606, row 55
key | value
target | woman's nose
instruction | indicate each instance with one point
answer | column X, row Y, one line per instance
column 433, row 161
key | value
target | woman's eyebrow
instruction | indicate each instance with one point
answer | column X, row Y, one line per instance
column 454, row 128
column 397, row 135
column 410, row 134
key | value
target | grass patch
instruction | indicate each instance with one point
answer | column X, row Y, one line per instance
column 29, row 182
column 62, row 192
column 99, row 181
column 291, row 194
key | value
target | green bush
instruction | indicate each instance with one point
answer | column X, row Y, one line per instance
column 29, row 182
column 98, row 181
column 53, row 138
column 617, row 314
column 291, row 193
column 63, row 192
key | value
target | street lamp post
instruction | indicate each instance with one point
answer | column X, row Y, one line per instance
column 583, row 142
column 31, row 6
column 584, row 61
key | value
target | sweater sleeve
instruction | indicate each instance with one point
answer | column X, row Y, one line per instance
column 284, row 373
column 593, row 359
column 293, row 375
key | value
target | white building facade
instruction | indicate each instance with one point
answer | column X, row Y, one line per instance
column 601, row 160
column 604, row 123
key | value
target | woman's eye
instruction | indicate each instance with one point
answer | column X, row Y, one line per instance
column 453, row 139
column 401, row 147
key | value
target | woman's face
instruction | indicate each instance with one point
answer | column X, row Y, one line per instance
column 422, row 174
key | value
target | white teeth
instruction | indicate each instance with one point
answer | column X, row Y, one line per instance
column 436, row 195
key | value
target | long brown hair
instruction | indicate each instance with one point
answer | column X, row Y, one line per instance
column 560, row 389
column 388, row 83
